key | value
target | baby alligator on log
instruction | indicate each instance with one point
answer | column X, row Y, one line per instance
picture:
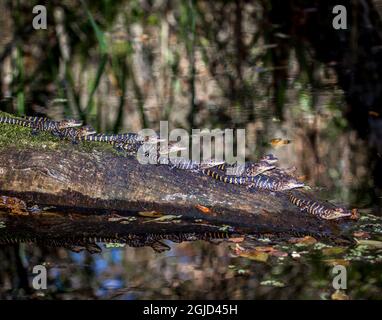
column 322, row 210
column 266, row 163
column 131, row 143
column 41, row 124
column 74, row 134
column 258, row 181
column 129, row 138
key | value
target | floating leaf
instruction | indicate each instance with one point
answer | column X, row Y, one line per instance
column 168, row 217
column 255, row 255
column 361, row 234
column 242, row 272
column 339, row 295
column 272, row 283
column 251, row 254
column 336, row 262
column 333, row 251
column 374, row 114
column 271, row 251
column 150, row 214
column 295, row 255
column 307, row 240
column 370, row 243
column 121, row 219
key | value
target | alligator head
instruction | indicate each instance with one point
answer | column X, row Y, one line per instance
column 69, row 123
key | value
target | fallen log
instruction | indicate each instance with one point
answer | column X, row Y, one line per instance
column 92, row 178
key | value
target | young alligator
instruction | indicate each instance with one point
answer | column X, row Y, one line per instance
column 131, row 143
column 74, row 134
column 186, row 164
column 258, row 181
column 41, row 124
column 322, row 210
column 250, row 168
column 45, row 124
column 129, row 137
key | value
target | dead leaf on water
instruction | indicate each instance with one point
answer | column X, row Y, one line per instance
column 336, row 262
column 374, row 114
column 361, row 234
column 339, row 295
column 307, row 240
column 123, row 220
column 272, row 251
column 251, row 254
column 374, row 244
column 255, row 255
column 168, row 217
column 333, row 251
column 150, row 214
column 272, row 283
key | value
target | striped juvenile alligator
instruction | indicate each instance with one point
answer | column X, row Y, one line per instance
column 186, row 164
column 122, row 137
column 74, row 134
column 250, row 168
column 131, row 143
column 38, row 124
column 45, row 124
column 258, row 181
column 322, row 210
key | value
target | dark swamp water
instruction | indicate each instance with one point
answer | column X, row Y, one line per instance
column 303, row 91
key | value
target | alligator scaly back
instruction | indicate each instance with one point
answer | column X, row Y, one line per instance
column 122, row 138
column 265, row 163
column 186, row 164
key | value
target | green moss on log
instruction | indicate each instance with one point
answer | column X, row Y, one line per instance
column 17, row 137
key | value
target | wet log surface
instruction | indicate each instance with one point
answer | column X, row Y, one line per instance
column 91, row 180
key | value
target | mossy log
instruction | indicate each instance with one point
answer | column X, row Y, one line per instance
column 92, row 178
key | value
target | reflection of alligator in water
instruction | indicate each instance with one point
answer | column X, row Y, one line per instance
column 89, row 242
column 83, row 232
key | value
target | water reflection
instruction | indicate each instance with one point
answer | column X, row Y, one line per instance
column 237, row 267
